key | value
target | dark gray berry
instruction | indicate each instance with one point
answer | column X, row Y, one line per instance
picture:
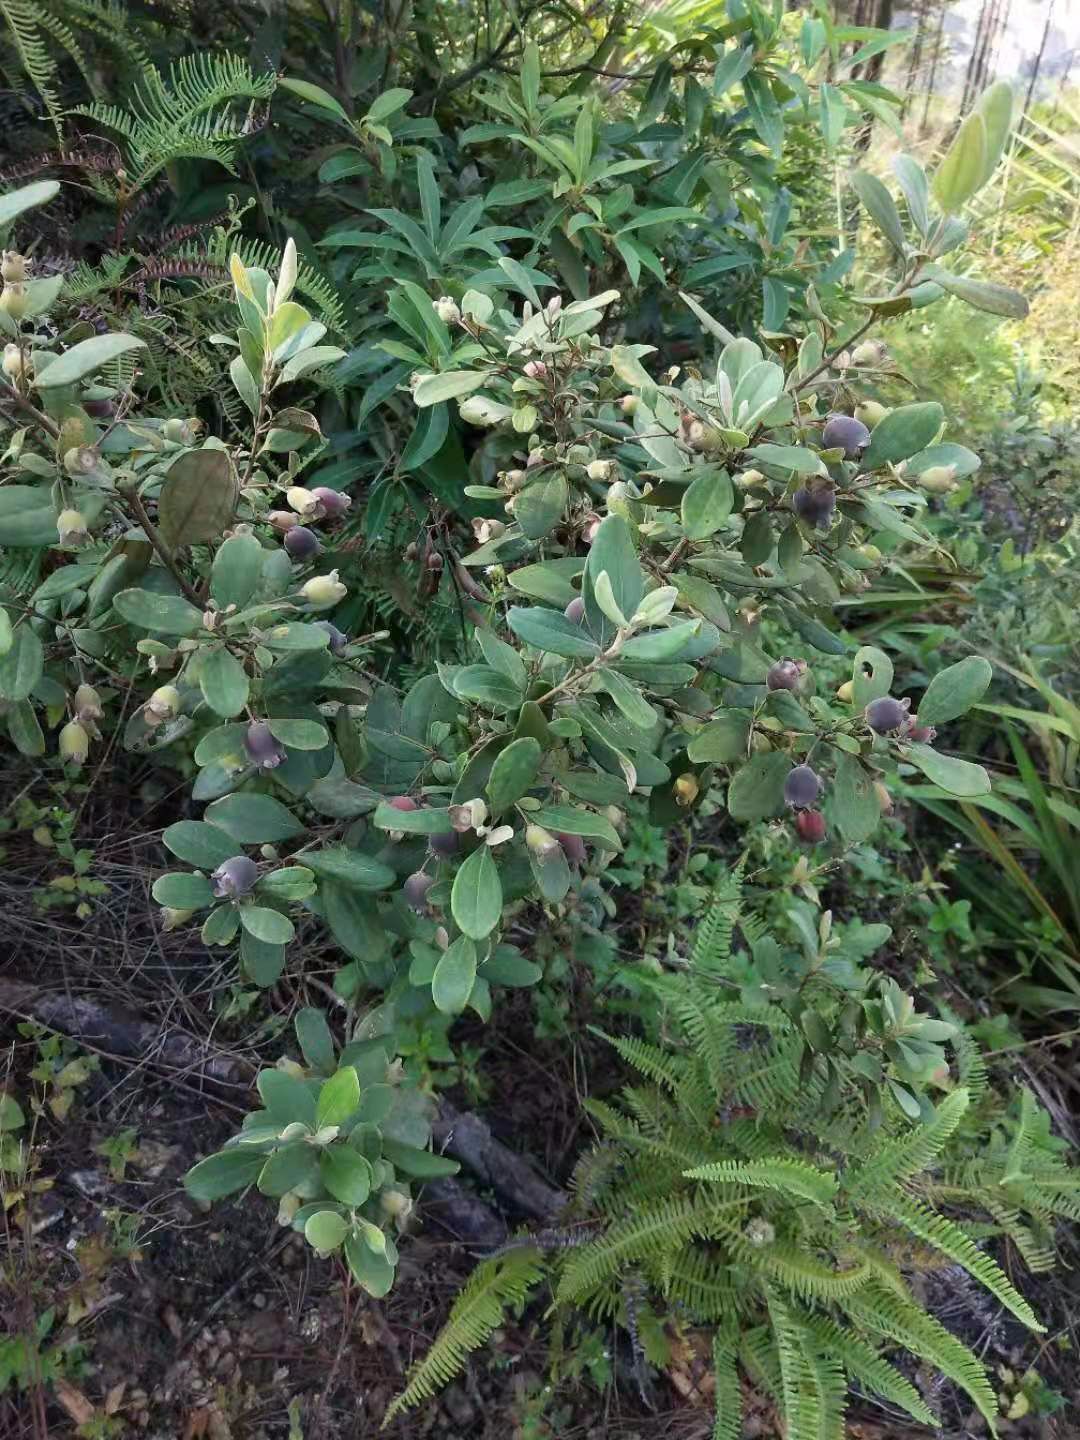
column 302, row 543
column 815, row 507
column 333, row 502
column 262, row 749
column 802, row 788
column 575, row 611
column 885, row 714
column 444, row 846
column 784, row 675
column 845, row 433
column 339, row 641
column 416, row 888
column 234, row 877
column 573, row 847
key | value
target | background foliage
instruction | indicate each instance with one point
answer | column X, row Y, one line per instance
column 494, row 476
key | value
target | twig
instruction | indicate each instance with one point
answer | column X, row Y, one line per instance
column 134, row 500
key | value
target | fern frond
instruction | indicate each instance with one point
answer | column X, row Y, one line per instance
column 902, row 1321
column 906, row 1155
column 701, row 1282
column 670, row 1223
column 650, row 1060
column 864, row 1364
column 728, row 1392
column 23, row 22
column 792, row 1177
column 807, row 1277
column 190, row 112
column 492, row 1288
column 970, row 1066
column 1038, row 1257
column 825, row 1398
column 945, row 1235
column 716, row 928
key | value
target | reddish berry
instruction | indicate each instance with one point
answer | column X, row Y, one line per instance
column 811, row 826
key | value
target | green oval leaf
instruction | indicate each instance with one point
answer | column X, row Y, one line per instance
column 198, row 844
column 267, row 925
column 223, row 682
column 955, row 690
column 756, row 791
column 958, row 777
column 165, row 614
column 902, row 433
column 183, row 890
column 338, row 1098
column 223, row 1174
column 254, row 819
column 513, row 772
column 22, row 665
column 85, row 359
column 476, row 896
column 455, row 973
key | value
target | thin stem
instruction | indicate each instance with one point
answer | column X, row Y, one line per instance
column 138, row 509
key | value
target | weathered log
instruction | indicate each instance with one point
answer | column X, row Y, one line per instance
column 468, row 1138
column 119, row 1032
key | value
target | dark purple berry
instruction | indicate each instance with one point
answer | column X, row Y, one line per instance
column 302, row 543
column 884, row 715
column 784, row 674
column 262, row 749
column 339, row 641
column 234, row 877
column 573, row 847
column 811, row 826
column 815, row 506
column 333, row 502
column 575, row 611
column 416, row 888
column 845, row 433
column 802, row 788
column 444, row 846
column 924, row 734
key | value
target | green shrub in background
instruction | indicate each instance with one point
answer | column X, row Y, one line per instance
column 614, row 524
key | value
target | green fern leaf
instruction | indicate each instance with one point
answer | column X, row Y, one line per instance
column 864, row 1364
column 728, row 1392
column 902, row 1321
column 792, row 1177
column 945, row 1235
column 494, row 1286
column 908, row 1154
